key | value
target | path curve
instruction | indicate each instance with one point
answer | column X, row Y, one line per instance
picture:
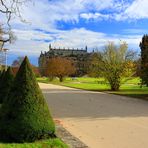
column 98, row 119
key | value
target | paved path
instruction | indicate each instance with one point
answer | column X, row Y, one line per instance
column 100, row 120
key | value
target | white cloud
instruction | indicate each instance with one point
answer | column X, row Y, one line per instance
column 137, row 10
column 75, row 38
column 26, row 47
column 78, row 38
column 95, row 16
column 44, row 14
column 32, row 35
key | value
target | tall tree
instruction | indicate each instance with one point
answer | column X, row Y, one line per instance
column 24, row 114
column 60, row 67
column 144, row 59
column 113, row 63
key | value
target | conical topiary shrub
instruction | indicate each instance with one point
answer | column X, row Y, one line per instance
column 1, row 79
column 25, row 116
column 1, row 76
column 7, row 81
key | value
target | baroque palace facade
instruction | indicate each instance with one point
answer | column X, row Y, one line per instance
column 79, row 57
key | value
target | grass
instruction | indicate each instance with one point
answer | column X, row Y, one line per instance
column 93, row 84
column 130, row 86
column 132, row 91
column 50, row 143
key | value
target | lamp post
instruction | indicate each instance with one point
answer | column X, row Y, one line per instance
column 3, row 58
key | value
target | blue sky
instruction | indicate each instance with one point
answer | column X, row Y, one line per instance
column 77, row 23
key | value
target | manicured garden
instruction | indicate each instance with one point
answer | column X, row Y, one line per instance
column 130, row 86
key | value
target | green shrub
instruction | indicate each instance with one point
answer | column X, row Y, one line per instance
column 1, row 81
column 7, row 81
column 24, row 114
column 1, row 76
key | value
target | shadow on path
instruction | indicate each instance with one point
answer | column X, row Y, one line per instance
column 86, row 104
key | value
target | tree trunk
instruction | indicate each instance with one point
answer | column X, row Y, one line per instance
column 61, row 79
column 115, row 87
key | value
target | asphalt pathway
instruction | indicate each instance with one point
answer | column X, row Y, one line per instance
column 98, row 119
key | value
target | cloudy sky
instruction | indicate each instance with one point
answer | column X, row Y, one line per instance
column 77, row 23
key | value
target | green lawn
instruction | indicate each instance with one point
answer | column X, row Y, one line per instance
column 82, row 83
column 50, row 143
column 130, row 86
column 132, row 91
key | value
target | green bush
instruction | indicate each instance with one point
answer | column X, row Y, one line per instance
column 6, row 83
column 1, row 76
column 1, row 81
column 24, row 114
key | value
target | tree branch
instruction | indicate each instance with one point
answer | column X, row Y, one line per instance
column 8, row 10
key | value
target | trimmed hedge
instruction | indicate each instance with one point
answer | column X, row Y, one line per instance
column 6, row 83
column 24, row 115
column 1, row 76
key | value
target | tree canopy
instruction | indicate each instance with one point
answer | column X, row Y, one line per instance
column 112, row 63
column 60, row 67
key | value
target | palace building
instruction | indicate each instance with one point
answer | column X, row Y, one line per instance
column 80, row 58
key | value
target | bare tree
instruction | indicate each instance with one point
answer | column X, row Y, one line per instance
column 9, row 8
